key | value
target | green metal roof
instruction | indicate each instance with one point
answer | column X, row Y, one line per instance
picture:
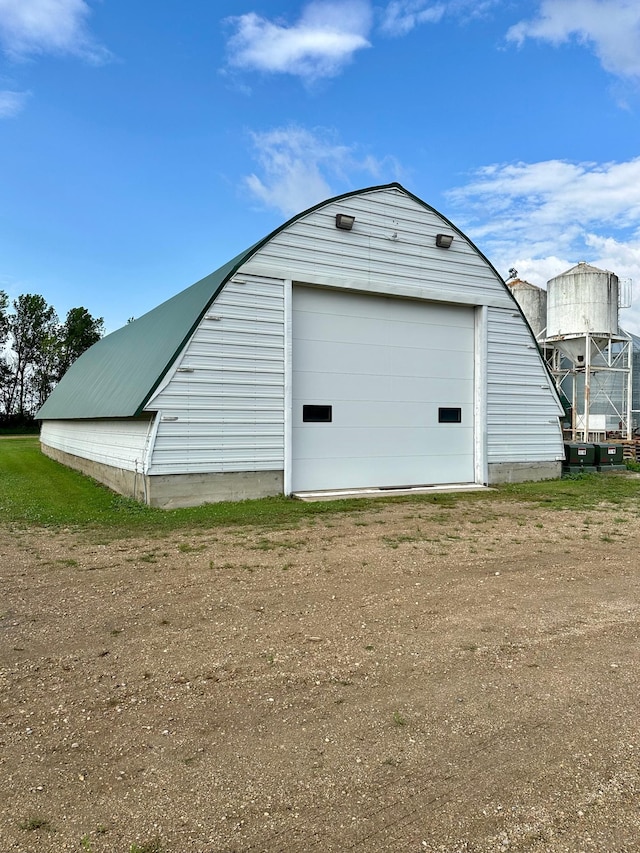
column 116, row 377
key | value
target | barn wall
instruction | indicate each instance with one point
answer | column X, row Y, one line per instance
column 523, row 427
column 391, row 249
column 119, row 443
column 175, row 490
column 222, row 408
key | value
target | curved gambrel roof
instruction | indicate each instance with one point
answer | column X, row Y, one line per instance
column 117, row 376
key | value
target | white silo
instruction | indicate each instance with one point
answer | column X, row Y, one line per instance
column 533, row 301
column 590, row 354
column 582, row 300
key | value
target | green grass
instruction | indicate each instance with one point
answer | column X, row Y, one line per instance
column 582, row 491
column 35, row 822
column 35, row 490
column 398, row 719
column 152, row 846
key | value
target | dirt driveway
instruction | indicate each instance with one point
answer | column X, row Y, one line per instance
column 415, row 677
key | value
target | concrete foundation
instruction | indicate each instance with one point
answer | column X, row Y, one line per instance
column 522, row 472
column 124, row 482
column 177, row 490
column 171, row 491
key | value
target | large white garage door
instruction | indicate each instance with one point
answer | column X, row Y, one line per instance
column 382, row 391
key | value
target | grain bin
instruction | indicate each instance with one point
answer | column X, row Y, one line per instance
column 533, row 302
column 582, row 301
column 590, row 355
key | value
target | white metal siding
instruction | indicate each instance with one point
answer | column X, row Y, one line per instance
column 385, row 366
column 120, row 443
column 222, row 409
column 522, row 409
column 391, row 249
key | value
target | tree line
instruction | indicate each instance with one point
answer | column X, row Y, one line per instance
column 36, row 350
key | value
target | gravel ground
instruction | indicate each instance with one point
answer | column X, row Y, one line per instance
column 415, row 677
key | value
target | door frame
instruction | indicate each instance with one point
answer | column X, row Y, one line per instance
column 480, row 357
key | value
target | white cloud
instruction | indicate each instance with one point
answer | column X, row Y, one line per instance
column 610, row 27
column 319, row 44
column 534, row 199
column 542, row 218
column 30, row 27
column 11, row 103
column 401, row 16
column 300, row 168
column 328, row 33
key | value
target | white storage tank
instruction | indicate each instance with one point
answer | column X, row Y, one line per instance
column 533, row 301
column 581, row 301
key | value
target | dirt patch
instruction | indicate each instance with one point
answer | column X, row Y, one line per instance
column 412, row 678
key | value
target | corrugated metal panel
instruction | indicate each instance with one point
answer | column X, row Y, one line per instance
column 522, row 409
column 223, row 407
column 120, row 443
column 391, row 246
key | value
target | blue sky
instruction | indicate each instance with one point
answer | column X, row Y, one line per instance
column 144, row 144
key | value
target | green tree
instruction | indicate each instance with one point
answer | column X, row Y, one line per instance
column 32, row 332
column 4, row 321
column 78, row 332
column 36, row 350
column 5, row 370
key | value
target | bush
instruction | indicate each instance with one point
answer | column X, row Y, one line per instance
column 18, row 425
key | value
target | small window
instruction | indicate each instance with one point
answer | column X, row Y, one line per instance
column 317, row 414
column 449, row 416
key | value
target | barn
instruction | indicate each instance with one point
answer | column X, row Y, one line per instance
column 364, row 344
